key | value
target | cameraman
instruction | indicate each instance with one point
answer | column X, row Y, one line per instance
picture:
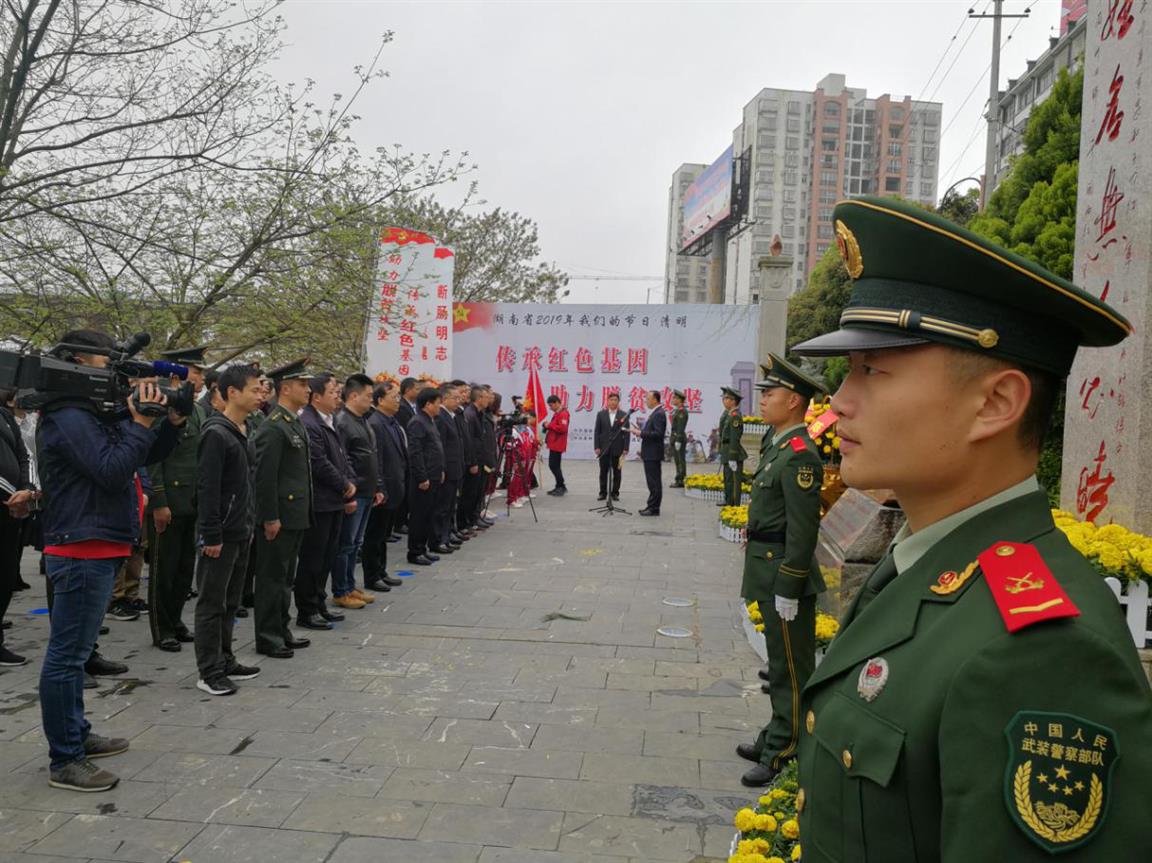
column 92, row 515
column 556, row 438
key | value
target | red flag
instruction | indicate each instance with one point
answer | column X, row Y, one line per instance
column 534, row 396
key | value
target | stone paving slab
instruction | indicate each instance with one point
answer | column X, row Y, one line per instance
column 461, row 718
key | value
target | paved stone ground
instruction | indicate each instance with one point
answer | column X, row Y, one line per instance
column 512, row 704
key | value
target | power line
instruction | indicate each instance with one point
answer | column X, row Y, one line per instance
column 959, row 54
column 964, row 20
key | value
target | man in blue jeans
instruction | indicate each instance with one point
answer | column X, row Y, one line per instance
column 359, row 441
column 92, row 515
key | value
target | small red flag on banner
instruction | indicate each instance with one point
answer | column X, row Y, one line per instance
column 534, row 396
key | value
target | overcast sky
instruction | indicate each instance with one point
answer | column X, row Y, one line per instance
column 577, row 113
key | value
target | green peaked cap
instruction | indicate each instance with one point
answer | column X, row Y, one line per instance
column 919, row 278
column 778, row 372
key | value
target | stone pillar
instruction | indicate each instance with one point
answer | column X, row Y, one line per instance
column 717, row 263
column 1107, row 436
column 775, row 280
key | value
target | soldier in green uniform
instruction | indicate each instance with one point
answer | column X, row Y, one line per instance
column 780, row 570
column 679, row 437
column 984, row 699
column 172, row 522
column 282, row 490
column 732, row 453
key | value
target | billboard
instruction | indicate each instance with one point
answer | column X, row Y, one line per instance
column 708, row 201
column 584, row 352
column 410, row 322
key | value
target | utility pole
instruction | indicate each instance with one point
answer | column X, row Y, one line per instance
column 993, row 98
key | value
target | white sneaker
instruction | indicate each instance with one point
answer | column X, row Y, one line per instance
column 518, row 503
column 499, row 493
column 488, row 514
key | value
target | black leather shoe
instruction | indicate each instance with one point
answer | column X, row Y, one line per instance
column 420, row 560
column 241, row 612
column 615, row 497
column 185, row 637
column 104, row 630
column 331, row 616
column 394, row 538
column 748, row 751
column 390, row 581
column 479, row 526
column 313, row 622
column 758, row 776
column 763, row 675
column 402, row 530
column 171, row 645
column 378, row 587
column 551, row 493
column 432, row 558
column 278, row 652
column 297, row 643
column 98, row 666
column 601, row 497
column 647, row 511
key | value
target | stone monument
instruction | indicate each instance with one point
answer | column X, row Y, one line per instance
column 775, row 278
column 1107, row 443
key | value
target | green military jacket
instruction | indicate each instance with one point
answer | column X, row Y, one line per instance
column 935, row 733
column 282, row 487
column 785, row 501
column 730, row 431
column 174, row 479
column 679, row 425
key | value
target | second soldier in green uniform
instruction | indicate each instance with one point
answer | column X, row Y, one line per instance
column 732, row 452
column 283, row 494
column 679, row 437
column 780, row 571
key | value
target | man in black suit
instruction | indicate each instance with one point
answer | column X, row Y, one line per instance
column 444, row 521
column 409, row 387
column 473, row 487
column 333, row 493
column 469, row 447
column 392, row 453
column 610, row 441
column 425, row 475
column 652, row 451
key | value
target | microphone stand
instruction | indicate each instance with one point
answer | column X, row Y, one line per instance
column 610, row 508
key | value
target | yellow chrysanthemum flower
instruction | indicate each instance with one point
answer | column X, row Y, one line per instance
column 766, row 823
column 796, row 854
column 790, row 829
column 745, row 820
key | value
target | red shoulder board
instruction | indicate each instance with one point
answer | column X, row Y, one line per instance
column 798, row 444
column 1024, row 588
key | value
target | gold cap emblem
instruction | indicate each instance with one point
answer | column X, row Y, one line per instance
column 849, row 250
column 988, row 338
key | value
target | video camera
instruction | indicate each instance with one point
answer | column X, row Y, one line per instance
column 510, row 421
column 54, row 379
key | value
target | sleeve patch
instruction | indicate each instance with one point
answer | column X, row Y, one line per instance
column 1023, row 587
column 805, row 476
column 1057, row 783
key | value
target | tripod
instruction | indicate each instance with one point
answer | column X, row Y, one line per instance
column 518, row 469
column 610, row 507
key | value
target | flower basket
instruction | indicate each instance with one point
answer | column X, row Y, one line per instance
column 770, row 830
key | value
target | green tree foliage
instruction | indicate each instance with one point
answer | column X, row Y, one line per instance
column 960, row 209
column 1033, row 211
column 815, row 309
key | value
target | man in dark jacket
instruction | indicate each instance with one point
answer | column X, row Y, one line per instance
column 409, row 388
column 470, row 449
column 472, row 489
column 425, row 475
column 333, row 491
column 15, row 470
column 92, row 514
column 359, row 442
column 392, row 454
column 610, row 441
column 652, row 451
column 224, row 529
column 282, row 489
column 443, row 522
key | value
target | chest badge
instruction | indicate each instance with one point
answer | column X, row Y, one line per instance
column 873, row 678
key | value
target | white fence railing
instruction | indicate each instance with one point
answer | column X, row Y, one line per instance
column 732, row 534
column 714, row 495
column 1133, row 598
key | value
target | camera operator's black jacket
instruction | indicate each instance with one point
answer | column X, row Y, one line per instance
column 359, row 441
column 88, row 465
column 224, row 486
column 425, row 451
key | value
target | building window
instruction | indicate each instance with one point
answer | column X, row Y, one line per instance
column 768, row 123
column 891, row 184
column 895, row 131
column 793, row 107
column 793, row 124
column 792, row 142
column 909, row 189
column 792, row 160
column 827, row 178
column 927, row 190
column 788, row 231
column 790, row 196
column 929, row 136
column 830, row 145
column 893, row 166
column 895, row 148
column 831, row 109
column 828, row 196
column 825, row 214
column 681, row 296
column 790, row 178
column 789, row 214
column 824, row 232
column 829, row 160
column 764, row 193
column 929, row 154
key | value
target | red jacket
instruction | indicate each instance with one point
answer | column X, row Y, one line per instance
column 556, row 435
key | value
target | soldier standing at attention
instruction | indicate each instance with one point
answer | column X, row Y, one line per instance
column 679, row 438
column 984, row 699
column 282, row 491
column 732, row 453
column 780, row 570
column 172, row 505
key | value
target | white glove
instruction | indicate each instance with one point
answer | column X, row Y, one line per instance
column 732, row 465
column 787, row 608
